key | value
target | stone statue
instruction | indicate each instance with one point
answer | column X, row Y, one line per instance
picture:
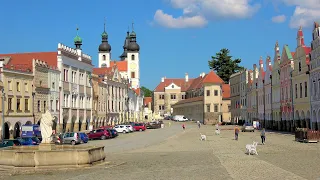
column 46, row 127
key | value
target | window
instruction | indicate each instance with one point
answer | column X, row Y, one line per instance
column 119, row 106
column 132, row 57
column 40, row 83
column 10, row 85
column 18, row 105
column 173, row 96
column 133, row 75
column 172, row 86
column 53, row 85
column 161, row 96
column 51, row 105
column 26, row 104
column 215, row 92
column 296, row 89
column 208, row 107
column 10, row 104
column 18, row 87
column 73, row 76
column 26, row 87
column 305, row 89
column 183, row 96
column 215, row 108
column 104, row 57
column 314, row 88
column 44, row 106
column 300, row 90
column 65, row 75
column 39, row 106
column 162, row 107
column 299, row 66
column 208, row 92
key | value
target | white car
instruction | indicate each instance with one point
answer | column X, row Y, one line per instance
column 121, row 129
column 130, row 127
column 180, row 118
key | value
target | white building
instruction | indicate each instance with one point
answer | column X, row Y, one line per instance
column 53, row 83
column 315, row 77
column 260, row 91
column 268, row 94
column 243, row 94
column 76, row 90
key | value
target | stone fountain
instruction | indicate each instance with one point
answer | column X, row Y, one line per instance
column 49, row 155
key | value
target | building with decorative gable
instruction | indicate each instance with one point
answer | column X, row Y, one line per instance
column 250, row 88
column 235, row 97
column 300, row 79
column 243, row 95
column 315, row 77
column 275, row 78
column 268, row 94
column 261, row 93
column 286, row 69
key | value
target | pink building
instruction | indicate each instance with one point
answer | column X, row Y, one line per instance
column 286, row 68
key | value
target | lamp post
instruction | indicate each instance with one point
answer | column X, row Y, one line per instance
column 3, row 109
column 34, row 118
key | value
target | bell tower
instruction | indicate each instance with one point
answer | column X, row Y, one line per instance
column 104, row 49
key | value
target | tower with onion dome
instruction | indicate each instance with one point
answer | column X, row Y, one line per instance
column 104, row 50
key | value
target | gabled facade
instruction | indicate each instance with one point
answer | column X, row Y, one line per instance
column 276, row 111
column 268, row 94
column 315, row 77
column 300, row 79
column 286, row 69
column 261, row 93
column 235, row 97
column 243, row 94
column 249, row 90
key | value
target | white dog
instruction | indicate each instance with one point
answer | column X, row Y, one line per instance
column 252, row 148
column 217, row 131
column 203, row 137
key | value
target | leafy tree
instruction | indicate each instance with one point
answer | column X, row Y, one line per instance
column 224, row 65
column 147, row 92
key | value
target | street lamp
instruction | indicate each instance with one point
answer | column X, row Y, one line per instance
column 3, row 96
column 34, row 118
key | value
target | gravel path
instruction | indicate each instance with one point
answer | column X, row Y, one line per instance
column 172, row 153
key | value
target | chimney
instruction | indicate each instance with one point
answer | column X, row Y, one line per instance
column 187, row 77
column 162, row 79
column 203, row 74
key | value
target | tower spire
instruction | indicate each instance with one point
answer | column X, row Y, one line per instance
column 104, row 26
column 132, row 25
column 77, row 39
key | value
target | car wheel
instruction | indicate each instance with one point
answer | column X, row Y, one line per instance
column 253, row 131
column 103, row 137
column 124, row 132
column 140, row 130
column 73, row 143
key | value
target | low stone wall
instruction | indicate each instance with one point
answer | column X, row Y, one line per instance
column 62, row 156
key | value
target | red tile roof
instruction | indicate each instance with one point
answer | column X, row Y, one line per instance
column 179, row 82
column 102, row 70
column 137, row 91
column 225, row 91
column 196, row 83
column 212, row 77
column 292, row 53
column 25, row 59
column 189, row 100
column 147, row 100
column 122, row 65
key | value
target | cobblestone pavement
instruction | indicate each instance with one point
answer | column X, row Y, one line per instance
column 171, row 153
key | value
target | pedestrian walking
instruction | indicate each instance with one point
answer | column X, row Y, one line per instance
column 183, row 127
column 263, row 136
column 236, row 132
column 199, row 124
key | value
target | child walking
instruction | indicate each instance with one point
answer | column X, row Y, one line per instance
column 236, row 133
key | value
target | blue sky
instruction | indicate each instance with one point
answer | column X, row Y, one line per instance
column 175, row 36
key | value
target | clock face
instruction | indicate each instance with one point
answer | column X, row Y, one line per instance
column 133, row 66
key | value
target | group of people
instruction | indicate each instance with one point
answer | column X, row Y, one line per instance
column 262, row 134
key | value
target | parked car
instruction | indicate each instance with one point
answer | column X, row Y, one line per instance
column 122, row 129
column 139, row 127
column 29, row 141
column 130, row 127
column 114, row 133
column 247, row 127
column 99, row 134
column 84, row 137
column 10, row 142
column 180, row 118
column 153, row 125
column 72, row 138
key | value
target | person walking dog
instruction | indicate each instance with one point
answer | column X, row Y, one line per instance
column 263, row 136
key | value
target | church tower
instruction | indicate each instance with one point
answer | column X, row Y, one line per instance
column 133, row 59
column 104, row 50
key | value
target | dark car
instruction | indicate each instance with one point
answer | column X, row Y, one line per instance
column 84, row 137
column 29, row 141
column 9, row 142
column 153, row 125
column 113, row 132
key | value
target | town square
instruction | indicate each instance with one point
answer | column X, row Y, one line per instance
column 177, row 89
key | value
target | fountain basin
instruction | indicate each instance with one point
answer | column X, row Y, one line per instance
column 51, row 156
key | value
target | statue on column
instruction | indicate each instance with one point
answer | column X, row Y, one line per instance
column 46, row 127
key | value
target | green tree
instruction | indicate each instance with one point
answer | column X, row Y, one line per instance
column 147, row 92
column 224, row 65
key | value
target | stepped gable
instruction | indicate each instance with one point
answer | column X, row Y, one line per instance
column 179, row 82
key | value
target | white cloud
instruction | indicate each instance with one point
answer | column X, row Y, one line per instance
column 279, row 19
column 169, row 21
column 196, row 12
column 305, row 13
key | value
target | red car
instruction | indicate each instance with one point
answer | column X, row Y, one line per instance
column 99, row 134
column 139, row 127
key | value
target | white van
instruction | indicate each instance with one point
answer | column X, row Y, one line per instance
column 180, row 118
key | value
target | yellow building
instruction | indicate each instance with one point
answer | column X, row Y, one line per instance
column 301, row 96
column 17, row 82
column 207, row 100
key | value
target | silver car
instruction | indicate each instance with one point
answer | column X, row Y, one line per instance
column 72, row 138
column 247, row 127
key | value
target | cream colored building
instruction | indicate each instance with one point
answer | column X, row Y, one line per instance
column 17, row 82
column 207, row 100
column 99, row 101
column 243, row 94
column 268, row 94
column 235, row 97
column 301, row 96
